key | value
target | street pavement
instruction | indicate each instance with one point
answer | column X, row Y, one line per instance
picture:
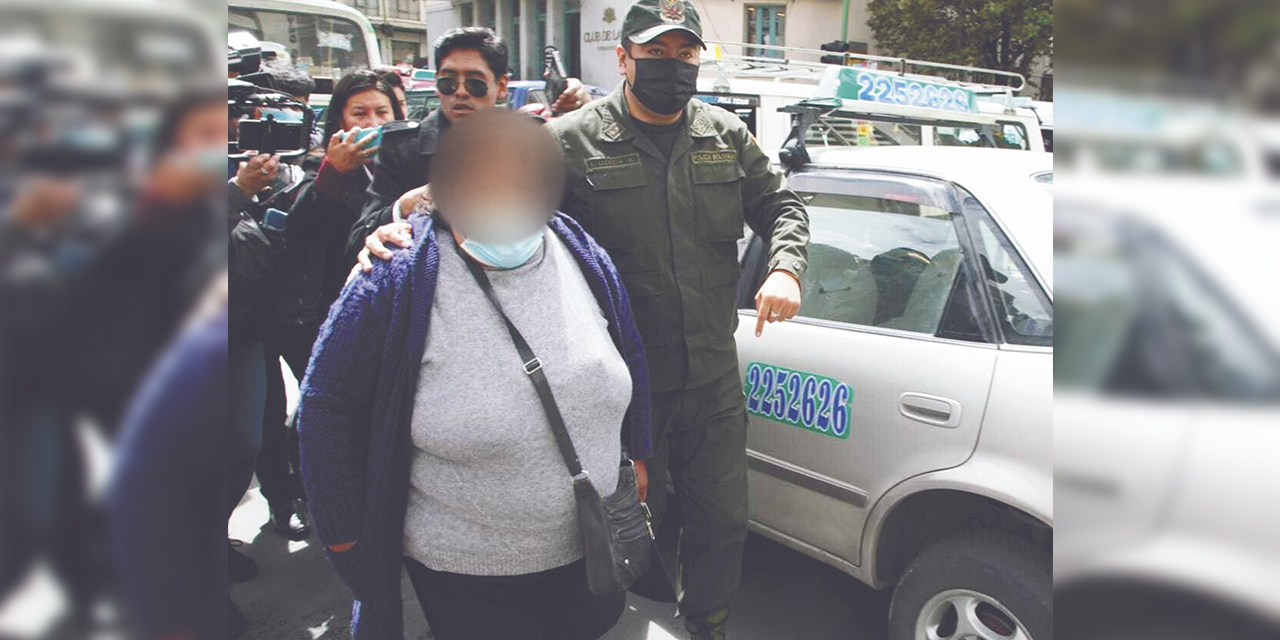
column 784, row 595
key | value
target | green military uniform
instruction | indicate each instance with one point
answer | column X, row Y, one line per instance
column 671, row 223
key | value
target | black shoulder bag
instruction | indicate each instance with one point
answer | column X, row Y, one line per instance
column 615, row 530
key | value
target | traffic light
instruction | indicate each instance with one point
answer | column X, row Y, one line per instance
column 866, row 137
column 839, row 46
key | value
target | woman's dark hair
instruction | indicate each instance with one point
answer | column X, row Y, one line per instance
column 486, row 42
column 357, row 81
column 166, row 133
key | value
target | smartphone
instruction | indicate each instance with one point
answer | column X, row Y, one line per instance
column 553, row 73
column 275, row 220
column 374, row 134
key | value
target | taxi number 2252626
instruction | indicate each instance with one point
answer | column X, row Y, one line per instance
column 804, row 400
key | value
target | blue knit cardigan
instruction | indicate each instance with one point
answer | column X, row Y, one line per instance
column 357, row 402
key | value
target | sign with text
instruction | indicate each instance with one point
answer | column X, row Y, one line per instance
column 887, row 87
column 601, row 32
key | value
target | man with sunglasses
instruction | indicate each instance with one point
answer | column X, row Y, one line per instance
column 471, row 75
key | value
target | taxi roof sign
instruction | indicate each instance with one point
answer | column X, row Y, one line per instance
column 890, row 88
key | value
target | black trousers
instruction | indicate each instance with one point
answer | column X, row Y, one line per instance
column 277, row 464
column 549, row 605
column 700, row 442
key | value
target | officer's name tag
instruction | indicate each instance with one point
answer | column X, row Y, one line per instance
column 806, row 400
column 613, row 162
column 713, row 157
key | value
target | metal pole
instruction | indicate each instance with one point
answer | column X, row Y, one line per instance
column 844, row 21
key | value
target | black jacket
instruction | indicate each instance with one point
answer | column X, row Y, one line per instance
column 252, row 251
column 403, row 163
column 312, row 271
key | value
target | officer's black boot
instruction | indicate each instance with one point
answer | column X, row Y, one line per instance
column 707, row 626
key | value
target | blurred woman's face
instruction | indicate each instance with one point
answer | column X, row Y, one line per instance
column 368, row 109
column 499, row 194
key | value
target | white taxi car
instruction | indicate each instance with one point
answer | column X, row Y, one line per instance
column 901, row 425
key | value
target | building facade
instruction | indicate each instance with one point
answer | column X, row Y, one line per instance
column 792, row 23
column 527, row 25
column 586, row 31
column 401, row 26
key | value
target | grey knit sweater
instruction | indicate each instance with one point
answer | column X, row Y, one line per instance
column 490, row 494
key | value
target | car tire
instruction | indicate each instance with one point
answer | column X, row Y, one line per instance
column 998, row 582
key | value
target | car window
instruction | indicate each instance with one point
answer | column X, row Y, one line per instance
column 1097, row 291
column 880, row 262
column 1222, row 352
column 1003, row 136
column 1140, row 320
column 1024, row 314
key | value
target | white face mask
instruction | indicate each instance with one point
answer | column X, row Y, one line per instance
column 506, row 255
column 503, row 238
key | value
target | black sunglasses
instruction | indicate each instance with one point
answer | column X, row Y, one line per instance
column 448, row 86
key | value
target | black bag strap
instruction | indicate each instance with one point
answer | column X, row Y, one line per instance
column 533, row 368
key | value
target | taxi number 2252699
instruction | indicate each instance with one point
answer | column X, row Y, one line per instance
column 805, row 400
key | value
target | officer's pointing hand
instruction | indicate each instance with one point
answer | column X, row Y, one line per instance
column 397, row 233
column 777, row 300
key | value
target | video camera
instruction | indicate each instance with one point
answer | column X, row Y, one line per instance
column 244, row 59
column 54, row 126
column 267, row 121
column 262, row 119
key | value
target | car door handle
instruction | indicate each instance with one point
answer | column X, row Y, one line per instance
column 932, row 410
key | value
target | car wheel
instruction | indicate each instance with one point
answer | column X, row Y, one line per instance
column 977, row 585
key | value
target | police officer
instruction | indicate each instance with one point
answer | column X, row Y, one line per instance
column 471, row 74
column 665, row 184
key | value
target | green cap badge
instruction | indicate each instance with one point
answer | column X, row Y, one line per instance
column 648, row 19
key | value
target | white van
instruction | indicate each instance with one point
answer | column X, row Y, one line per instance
column 757, row 87
column 325, row 38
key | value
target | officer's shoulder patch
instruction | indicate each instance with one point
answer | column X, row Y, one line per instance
column 721, row 120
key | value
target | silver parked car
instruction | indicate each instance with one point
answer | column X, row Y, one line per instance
column 901, row 424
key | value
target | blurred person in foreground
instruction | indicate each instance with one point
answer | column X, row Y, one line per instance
column 424, row 445
column 150, row 275
column 471, row 76
column 106, row 309
column 310, row 271
column 169, row 487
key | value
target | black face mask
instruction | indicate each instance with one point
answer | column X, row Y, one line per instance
column 664, row 85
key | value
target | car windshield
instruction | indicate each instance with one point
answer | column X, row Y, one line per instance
column 841, row 131
column 324, row 46
column 421, row 102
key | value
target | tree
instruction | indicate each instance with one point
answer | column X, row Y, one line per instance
column 995, row 34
